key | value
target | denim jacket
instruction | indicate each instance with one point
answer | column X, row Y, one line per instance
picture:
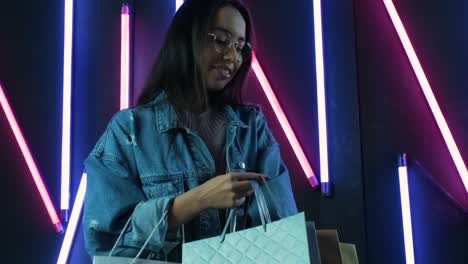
column 146, row 157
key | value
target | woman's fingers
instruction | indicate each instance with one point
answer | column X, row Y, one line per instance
column 245, row 176
column 243, row 193
column 241, row 186
column 239, row 202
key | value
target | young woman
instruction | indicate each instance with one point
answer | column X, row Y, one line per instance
column 186, row 153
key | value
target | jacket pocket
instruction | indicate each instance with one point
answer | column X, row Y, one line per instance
column 156, row 187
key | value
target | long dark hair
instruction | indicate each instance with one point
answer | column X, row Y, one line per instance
column 177, row 69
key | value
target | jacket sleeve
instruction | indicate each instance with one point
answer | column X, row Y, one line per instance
column 270, row 164
column 112, row 192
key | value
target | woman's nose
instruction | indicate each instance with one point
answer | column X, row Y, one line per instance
column 231, row 54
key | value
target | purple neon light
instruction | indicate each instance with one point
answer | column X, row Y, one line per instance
column 124, row 103
column 406, row 212
column 73, row 223
column 66, row 107
column 321, row 105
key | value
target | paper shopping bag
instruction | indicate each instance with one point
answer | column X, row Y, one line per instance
column 348, row 253
column 329, row 246
column 313, row 243
column 284, row 241
column 124, row 260
column 278, row 242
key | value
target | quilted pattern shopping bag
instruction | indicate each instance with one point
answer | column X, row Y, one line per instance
column 282, row 241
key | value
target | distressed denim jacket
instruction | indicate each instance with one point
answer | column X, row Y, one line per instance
column 146, row 157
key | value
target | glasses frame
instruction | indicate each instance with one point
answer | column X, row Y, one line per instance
column 245, row 53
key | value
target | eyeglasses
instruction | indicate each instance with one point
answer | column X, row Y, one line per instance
column 222, row 43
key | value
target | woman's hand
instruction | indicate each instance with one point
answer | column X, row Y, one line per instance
column 227, row 190
column 223, row 191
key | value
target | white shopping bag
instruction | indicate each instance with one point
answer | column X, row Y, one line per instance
column 278, row 242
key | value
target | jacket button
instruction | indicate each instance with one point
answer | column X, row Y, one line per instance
column 241, row 164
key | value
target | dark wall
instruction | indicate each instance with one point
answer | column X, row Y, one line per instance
column 30, row 72
column 31, row 63
column 396, row 118
column 439, row 222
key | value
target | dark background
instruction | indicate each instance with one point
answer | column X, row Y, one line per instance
column 375, row 109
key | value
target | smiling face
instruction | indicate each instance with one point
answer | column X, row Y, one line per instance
column 220, row 66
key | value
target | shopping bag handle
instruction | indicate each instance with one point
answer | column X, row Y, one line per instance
column 263, row 211
column 262, row 205
column 147, row 240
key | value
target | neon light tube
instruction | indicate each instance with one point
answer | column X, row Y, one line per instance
column 284, row 122
column 125, row 57
column 73, row 223
column 427, row 90
column 322, row 116
column 178, row 3
column 406, row 209
column 30, row 161
column 124, row 103
column 66, row 108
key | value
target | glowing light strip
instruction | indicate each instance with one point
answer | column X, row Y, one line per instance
column 125, row 58
column 66, row 107
column 178, row 3
column 284, row 122
column 124, row 103
column 322, row 116
column 406, row 211
column 30, row 161
column 73, row 223
column 427, row 90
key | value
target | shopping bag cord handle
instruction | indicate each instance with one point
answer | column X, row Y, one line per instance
column 123, row 231
column 147, row 240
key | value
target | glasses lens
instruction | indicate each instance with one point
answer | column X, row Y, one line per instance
column 220, row 44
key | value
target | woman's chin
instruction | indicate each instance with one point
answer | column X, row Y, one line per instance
column 216, row 86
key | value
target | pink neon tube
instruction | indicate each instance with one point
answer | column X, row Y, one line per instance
column 427, row 90
column 284, row 122
column 125, row 58
column 406, row 210
column 30, row 161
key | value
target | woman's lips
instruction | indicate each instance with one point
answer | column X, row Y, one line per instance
column 224, row 72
